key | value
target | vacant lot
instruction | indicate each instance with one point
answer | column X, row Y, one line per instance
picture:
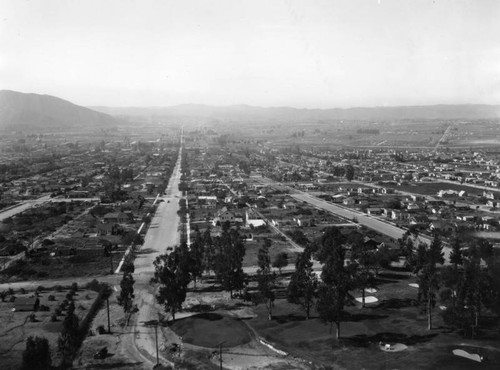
column 19, row 324
column 54, row 267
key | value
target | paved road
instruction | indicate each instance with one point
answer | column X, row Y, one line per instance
column 139, row 345
column 23, row 207
column 34, row 202
column 162, row 233
column 376, row 224
column 363, row 219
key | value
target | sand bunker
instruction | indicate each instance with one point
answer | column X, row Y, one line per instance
column 413, row 285
column 371, row 290
column 465, row 354
column 369, row 299
column 397, row 347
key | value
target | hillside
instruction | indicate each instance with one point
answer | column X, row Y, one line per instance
column 256, row 114
column 20, row 110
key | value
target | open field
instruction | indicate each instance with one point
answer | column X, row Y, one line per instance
column 432, row 188
column 58, row 267
column 17, row 325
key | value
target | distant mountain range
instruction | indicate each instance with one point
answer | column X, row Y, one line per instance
column 22, row 111
column 250, row 113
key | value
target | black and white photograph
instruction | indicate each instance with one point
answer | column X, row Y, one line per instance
column 250, row 184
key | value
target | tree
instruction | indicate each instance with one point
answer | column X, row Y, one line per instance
column 228, row 260
column 128, row 267
column 173, row 277
column 450, row 278
column 333, row 293
column 68, row 339
column 126, row 297
column 37, row 354
column 349, row 172
column 280, row 261
column 197, row 257
column 330, row 305
column 425, row 267
column 471, row 290
column 382, row 258
column 493, row 295
column 456, row 252
column 303, row 285
column 266, row 278
column 363, row 255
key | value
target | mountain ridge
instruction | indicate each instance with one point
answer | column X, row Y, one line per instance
column 437, row 111
column 31, row 110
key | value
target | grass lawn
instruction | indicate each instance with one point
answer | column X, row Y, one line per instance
column 395, row 319
column 210, row 329
column 277, row 246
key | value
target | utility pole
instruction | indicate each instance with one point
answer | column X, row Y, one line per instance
column 111, row 262
column 109, row 324
column 155, row 324
column 156, row 340
column 220, row 354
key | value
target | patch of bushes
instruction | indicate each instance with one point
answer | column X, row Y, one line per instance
column 79, row 259
column 93, row 285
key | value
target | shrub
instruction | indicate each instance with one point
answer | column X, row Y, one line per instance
column 37, row 354
column 79, row 259
column 58, row 288
column 93, row 285
column 42, row 274
column 69, row 296
column 74, row 287
column 57, row 311
column 51, row 298
column 22, row 291
column 101, row 330
column 40, row 288
column 53, row 318
column 12, row 298
column 44, row 308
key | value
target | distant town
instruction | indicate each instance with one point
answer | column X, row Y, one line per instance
column 237, row 240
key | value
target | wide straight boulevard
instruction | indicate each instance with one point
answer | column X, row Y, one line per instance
column 376, row 224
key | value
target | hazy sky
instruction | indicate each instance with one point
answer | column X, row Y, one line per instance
column 305, row 53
